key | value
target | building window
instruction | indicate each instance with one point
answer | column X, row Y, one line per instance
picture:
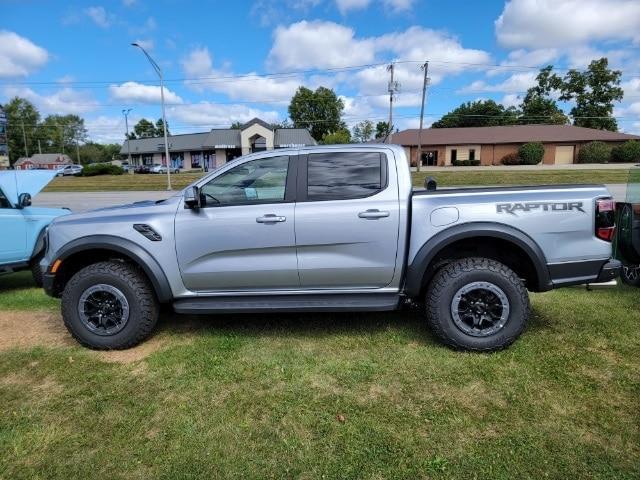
column 472, row 154
column 176, row 160
column 147, row 159
column 197, row 159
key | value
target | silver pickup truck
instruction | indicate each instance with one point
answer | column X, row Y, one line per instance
column 334, row 229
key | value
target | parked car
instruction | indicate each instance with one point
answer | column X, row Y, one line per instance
column 23, row 226
column 163, row 169
column 328, row 228
column 142, row 169
column 69, row 170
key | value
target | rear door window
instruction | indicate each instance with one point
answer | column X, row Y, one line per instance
column 343, row 176
column 4, row 201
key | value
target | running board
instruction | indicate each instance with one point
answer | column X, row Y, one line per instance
column 364, row 302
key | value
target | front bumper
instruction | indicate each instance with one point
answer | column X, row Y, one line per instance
column 609, row 271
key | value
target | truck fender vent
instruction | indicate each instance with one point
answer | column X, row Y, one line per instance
column 147, row 231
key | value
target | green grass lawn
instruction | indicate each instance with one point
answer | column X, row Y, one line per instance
column 329, row 396
column 454, row 177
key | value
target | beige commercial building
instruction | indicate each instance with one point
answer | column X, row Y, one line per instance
column 442, row 146
column 208, row 150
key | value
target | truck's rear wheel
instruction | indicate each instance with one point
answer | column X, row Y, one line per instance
column 109, row 305
column 477, row 304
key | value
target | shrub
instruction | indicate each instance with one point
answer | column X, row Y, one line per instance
column 94, row 169
column 512, row 158
column 531, row 153
column 627, row 152
column 594, row 152
column 465, row 163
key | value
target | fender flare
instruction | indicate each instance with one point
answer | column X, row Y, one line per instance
column 419, row 264
column 39, row 245
column 144, row 259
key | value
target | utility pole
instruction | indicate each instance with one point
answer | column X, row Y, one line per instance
column 424, row 67
column 24, row 138
column 126, row 123
column 393, row 88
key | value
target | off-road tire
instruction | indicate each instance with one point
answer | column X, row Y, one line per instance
column 451, row 278
column 133, row 283
column 36, row 271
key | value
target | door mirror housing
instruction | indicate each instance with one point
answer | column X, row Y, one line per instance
column 24, row 200
column 430, row 184
column 192, row 198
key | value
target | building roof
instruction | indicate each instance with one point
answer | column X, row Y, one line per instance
column 46, row 159
column 507, row 134
column 216, row 138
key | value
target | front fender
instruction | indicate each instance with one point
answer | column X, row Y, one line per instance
column 138, row 254
column 422, row 259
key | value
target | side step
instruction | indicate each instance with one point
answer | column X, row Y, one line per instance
column 360, row 302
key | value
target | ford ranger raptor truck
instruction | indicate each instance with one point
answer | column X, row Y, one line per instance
column 333, row 229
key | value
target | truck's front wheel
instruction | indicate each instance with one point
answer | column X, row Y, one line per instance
column 109, row 305
column 477, row 304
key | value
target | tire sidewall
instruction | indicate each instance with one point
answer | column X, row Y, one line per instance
column 71, row 298
column 518, row 310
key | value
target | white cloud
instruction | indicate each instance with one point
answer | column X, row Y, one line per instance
column 631, row 87
column 104, row 129
column 344, row 6
column 250, row 87
column 19, row 56
column 516, row 83
column 64, row 101
column 558, row 23
column 211, row 115
column 511, row 100
column 99, row 16
column 138, row 92
column 398, row 5
column 318, row 44
column 129, row 3
column 146, row 44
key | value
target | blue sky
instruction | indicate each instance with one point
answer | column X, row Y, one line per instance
column 231, row 61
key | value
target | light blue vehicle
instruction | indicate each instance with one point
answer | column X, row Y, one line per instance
column 22, row 227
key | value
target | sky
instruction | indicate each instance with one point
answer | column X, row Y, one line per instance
column 231, row 61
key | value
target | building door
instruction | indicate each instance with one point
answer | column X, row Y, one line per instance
column 430, row 158
column 564, row 154
column 347, row 220
column 243, row 238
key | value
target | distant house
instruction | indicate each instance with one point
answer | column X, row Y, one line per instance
column 441, row 146
column 43, row 161
column 208, row 150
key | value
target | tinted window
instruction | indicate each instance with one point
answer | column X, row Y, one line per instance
column 335, row 176
column 258, row 181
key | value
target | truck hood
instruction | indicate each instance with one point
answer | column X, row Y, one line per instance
column 15, row 182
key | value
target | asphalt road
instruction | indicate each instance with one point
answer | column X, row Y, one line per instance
column 82, row 201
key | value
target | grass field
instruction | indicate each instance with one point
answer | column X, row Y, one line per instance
column 449, row 178
column 323, row 396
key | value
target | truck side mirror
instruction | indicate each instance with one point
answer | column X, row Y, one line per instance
column 192, row 198
column 430, row 184
column 24, row 200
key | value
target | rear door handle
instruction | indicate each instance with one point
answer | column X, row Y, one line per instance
column 372, row 214
column 271, row 218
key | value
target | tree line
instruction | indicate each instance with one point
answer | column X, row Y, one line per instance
column 591, row 93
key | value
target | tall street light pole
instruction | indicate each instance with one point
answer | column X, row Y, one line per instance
column 125, row 112
column 158, row 70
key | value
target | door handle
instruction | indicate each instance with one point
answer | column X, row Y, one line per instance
column 271, row 218
column 373, row 214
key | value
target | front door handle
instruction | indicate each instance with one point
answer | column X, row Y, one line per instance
column 373, row 214
column 271, row 218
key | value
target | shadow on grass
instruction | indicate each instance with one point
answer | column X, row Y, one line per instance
column 408, row 323
column 16, row 281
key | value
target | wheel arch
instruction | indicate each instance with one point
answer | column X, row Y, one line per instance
column 87, row 250
column 479, row 238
